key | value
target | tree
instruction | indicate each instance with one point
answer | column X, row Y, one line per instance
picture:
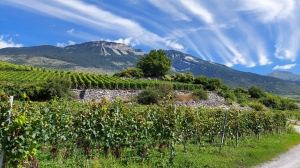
column 256, row 92
column 155, row 64
column 130, row 72
column 57, row 87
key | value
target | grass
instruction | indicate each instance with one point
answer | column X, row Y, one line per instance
column 250, row 152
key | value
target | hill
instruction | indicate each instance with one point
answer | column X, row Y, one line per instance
column 285, row 75
column 186, row 63
column 96, row 56
column 108, row 58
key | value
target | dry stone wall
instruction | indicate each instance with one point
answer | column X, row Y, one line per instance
column 88, row 95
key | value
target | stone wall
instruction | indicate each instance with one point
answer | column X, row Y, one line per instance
column 88, row 95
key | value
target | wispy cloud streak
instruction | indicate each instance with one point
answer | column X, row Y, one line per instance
column 284, row 67
column 248, row 33
column 8, row 43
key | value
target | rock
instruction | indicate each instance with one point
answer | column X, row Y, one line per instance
column 97, row 95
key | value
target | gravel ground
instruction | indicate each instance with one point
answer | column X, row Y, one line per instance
column 291, row 159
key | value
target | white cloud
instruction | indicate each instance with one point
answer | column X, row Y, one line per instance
column 127, row 41
column 268, row 10
column 70, row 42
column 169, row 7
column 9, row 43
column 62, row 45
column 174, row 45
column 229, row 64
column 263, row 60
column 196, row 8
column 287, row 46
column 93, row 17
column 71, row 31
column 234, row 32
column 262, row 56
column 284, row 67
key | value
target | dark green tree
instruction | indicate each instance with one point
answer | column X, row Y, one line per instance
column 256, row 92
column 155, row 64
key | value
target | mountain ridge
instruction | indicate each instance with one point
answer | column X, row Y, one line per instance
column 109, row 58
column 284, row 75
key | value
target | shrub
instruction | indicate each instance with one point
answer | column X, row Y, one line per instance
column 148, row 97
column 288, row 105
column 167, row 78
column 256, row 92
column 271, row 101
column 214, row 84
column 165, row 90
column 130, row 73
column 57, row 87
column 257, row 106
column 201, row 94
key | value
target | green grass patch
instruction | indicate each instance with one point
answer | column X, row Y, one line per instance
column 250, row 152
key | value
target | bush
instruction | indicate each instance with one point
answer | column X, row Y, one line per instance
column 148, row 97
column 165, row 90
column 214, row 84
column 130, row 73
column 257, row 106
column 256, row 92
column 271, row 101
column 183, row 78
column 57, row 87
column 201, row 94
column 288, row 105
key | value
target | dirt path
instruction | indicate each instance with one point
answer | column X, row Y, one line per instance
column 291, row 159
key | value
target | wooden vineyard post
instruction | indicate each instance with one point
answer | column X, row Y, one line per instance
column 8, row 120
column 223, row 132
column 237, row 131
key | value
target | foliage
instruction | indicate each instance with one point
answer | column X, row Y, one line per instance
column 18, row 133
column 167, row 78
column 17, row 81
column 241, row 95
column 256, row 92
column 203, row 80
column 214, row 84
column 201, row 94
column 57, row 87
column 148, row 97
column 130, row 73
column 165, row 90
column 271, row 101
column 288, row 105
column 184, row 78
column 155, row 64
column 69, row 129
column 257, row 106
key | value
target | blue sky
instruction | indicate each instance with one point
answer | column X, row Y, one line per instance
column 256, row 36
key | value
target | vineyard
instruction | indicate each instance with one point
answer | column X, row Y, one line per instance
column 26, row 74
column 67, row 129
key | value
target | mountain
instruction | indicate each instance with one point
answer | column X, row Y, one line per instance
column 96, row 56
column 108, row 58
column 184, row 63
column 284, row 75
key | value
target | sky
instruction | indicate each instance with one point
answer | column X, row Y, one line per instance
column 257, row 36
